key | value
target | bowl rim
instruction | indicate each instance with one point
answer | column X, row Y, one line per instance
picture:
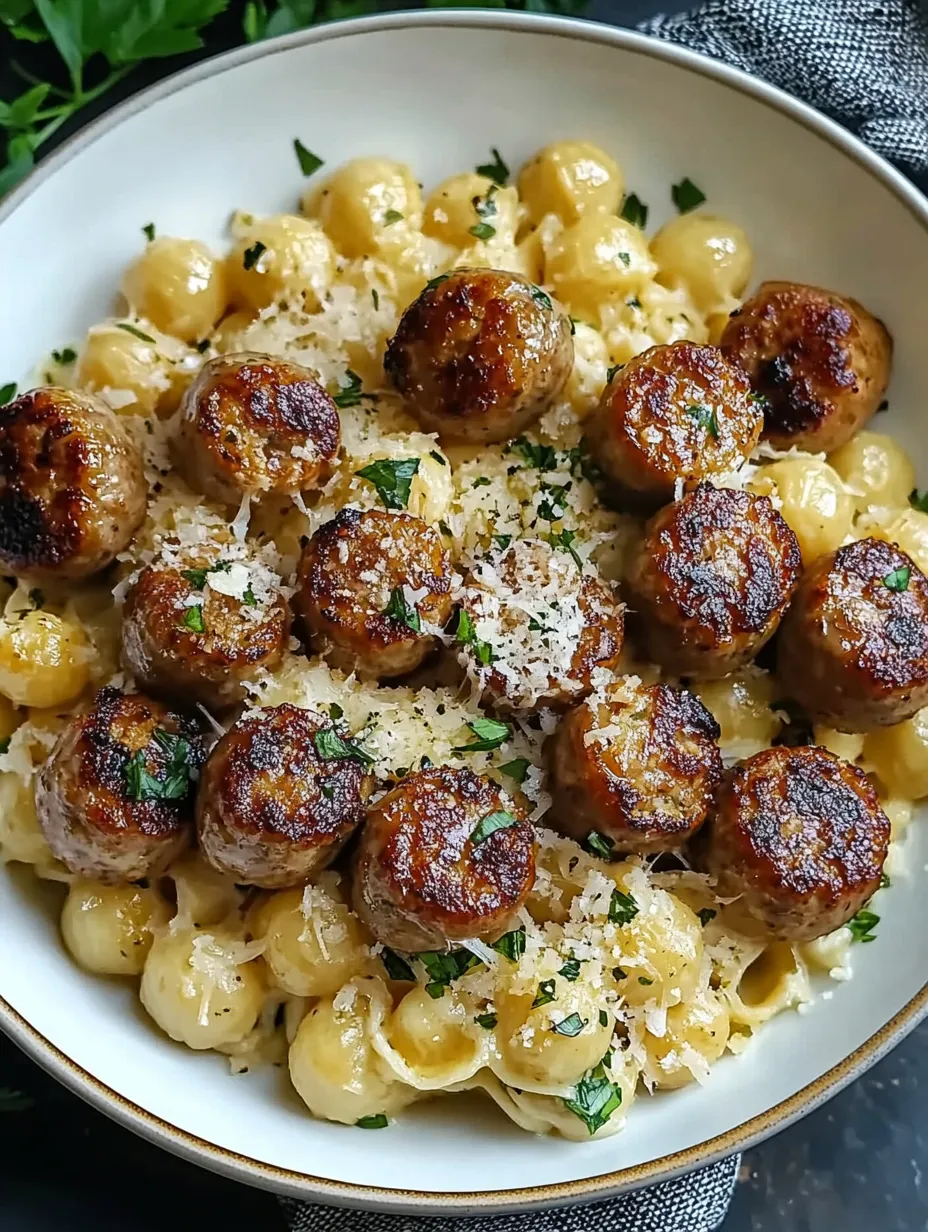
column 301, row 1185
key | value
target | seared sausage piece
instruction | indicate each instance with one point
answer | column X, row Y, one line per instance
column 799, row 835
column 444, row 856
column 197, row 625
column 820, row 360
column 533, row 629
column 281, row 793
column 710, row 581
column 636, row 763
column 371, row 585
column 480, row 355
column 679, row 411
column 115, row 797
column 72, row 488
column 253, row 423
column 853, row 648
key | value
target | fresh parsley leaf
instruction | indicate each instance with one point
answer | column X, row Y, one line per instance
column 542, row 457
column 330, row 746
column 571, row 969
column 634, row 210
column 481, row 482
column 516, row 769
column 500, row 820
column 179, row 772
column 622, row 908
column 541, row 297
column 502, row 541
column 335, row 712
column 193, row 619
column 65, row 356
column 599, row 845
column 442, row 968
column 391, row 216
column 610, row 372
column 625, row 258
column 686, row 196
column 5, row 745
column 487, row 1021
column 136, row 333
column 705, row 915
column 898, row 579
column 197, row 577
column 400, row 611
column 490, row 735
column 862, row 925
column 309, row 162
column 482, row 231
column 248, row 597
column 564, row 540
column 545, row 993
column 705, row 417
column 595, row 1098
column 149, row 231
column 570, row 1026
column 392, row 477
column 7, row 392
column 252, row 255
column 436, row 456
column 643, row 979
column 397, row 968
column 884, row 881
column 918, row 500
column 466, row 635
column 497, row 171
column 435, row 282
column 377, row 1121
column 603, row 1018
column 348, row 394
column 511, row 945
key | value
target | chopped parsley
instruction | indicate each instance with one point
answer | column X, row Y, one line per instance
column 625, row 258
column 884, row 880
column 5, row 745
column 67, row 356
column 599, row 845
column 193, row 619
column 603, row 1018
column 335, row 712
column 500, row 820
column 545, row 993
column 595, row 1098
column 634, row 210
column 348, row 394
column 516, row 769
column 179, row 771
column 248, row 597
column 309, row 162
column 466, row 635
column 497, row 171
column 862, row 925
column 375, row 298
column 898, row 579
column 481, row 482
column 442, row 968
column 686, row 196
column 402, row 612
column 610, row 372
column 7, row 392
column 487, row 1021
column 510, row 945
column 705, row 417
column 392, row 477
column 570, row 1026
column 434, row 454
column 392, row 216
column 502, row 541
column 542, row 457
column 435, row 282
column 482, row 231
column 705, row 915
column 252, row 255
column 622, row 908
column 197, row 577
column 330, row 746
column 643, row 979
column 149, row 231
column 918, row 500
column 571, row 969
column 377, row 1121
column 490, row 735
column 397, row 968
column 564, row 540
column 541, row 297
column 136, row 333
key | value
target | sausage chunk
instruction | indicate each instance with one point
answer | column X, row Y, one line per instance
column 281, row 793
column 710, row 581
column 444, row 856
column 252, row 423
column 799, row 835
column 534, row 630
column 676, row 412
column 72, row 488
column 371, row 586
column 115, row 797
column 480, row 355
column 199, row 622
column 820, row 360
column 636, row 763
column 853, row 648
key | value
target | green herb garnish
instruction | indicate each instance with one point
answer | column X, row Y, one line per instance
column 610, row 372
column 595, row 1098
column 502, row 541
column 490, row 735
column 622, row 908
column 193, row 619
column 392, row 477
column 252, row 255
column 898, row 579
column 511, row 945
column 392, row 216
column 487, row 1021
column 434, row 454
column 542, row 457
column 599, row 845
column 545, row 993
column 66, row 356
column 197, row 577
column 634, row 210
column 442, row 968
column 705, row 417
column 330, row 746
column 178, row 776
column 497, row 171
column 7, row 392
column 309, row 162
column 516, row 769
column 643, row 979
column 571, row 969
column 149, row 231
column 686, row 196
column 564, row 540
column 570, row 1026
column 397, row 968
column 918, row 500
column 435, row 282
column 5, row 745
column 402, row 612
column 862, row 925
column 377, row 1121
column 541, row 297
column 500, row 820
column 136, row 333
column 466, row 635
column 348, row 394
column 625, row 258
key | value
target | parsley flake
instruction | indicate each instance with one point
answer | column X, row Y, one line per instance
column 330, row 746
column 571, row 969
column 392, row 477
column 487, row 1021
column 570, row 1026
column 643, row 979
column 178, row 776
column 634, row 210
column 622, row 908
column 497, row 171
column 502, row 541
column 377, row 1121
column 149, row 231
column 599, row 845
column 66, row 356
column 251, row 256
column 564, row 540
column 490, row 735
column 397, row 968
column 545, row 993
column 348, row 394
column 686, row 196
column 482, row 231
column 309, row 162
column 898, row 579
column 436, row 456
column 7, row 392
column 511, row 945
column 862, row 925
column 136, row 333
column 595, row 1098
column 197, row 577
column 442, row 968
column 516, row 769
column 402, row 612
column 466, row 635
column 705, row 417
column 610, row 372
column 918, row 500
column 542, row 298
column 5, row 745
column 435, row 282
column 542, row 457
column 392, row 216
column 625, row 258
column 500, row 820
column 193, row 619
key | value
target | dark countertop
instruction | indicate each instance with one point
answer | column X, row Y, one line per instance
column 855, row 1165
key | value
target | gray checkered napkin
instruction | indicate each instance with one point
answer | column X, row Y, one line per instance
column 865, row 63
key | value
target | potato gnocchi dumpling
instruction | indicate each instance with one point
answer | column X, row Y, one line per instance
column 109, row 929
column 570, row 179
column 178, row 285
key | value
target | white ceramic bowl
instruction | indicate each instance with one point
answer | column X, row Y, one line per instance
column 438, row 90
